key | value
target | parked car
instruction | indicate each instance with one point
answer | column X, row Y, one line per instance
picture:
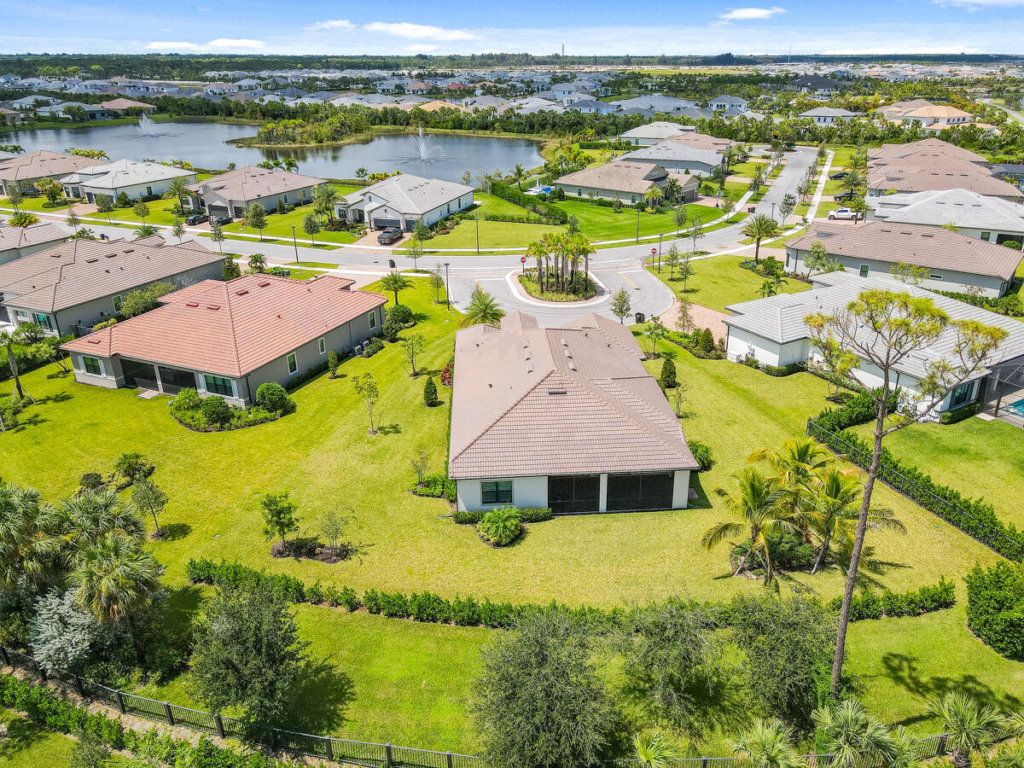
column 196, row 218
column 222, row 220
column 389, row 236
column 845, row 196
column 837, row 175
column 842, row 214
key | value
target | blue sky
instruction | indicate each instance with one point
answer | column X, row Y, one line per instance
column 535, row 26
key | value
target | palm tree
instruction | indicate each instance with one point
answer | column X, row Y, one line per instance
column 654, row 750
column 552, row 245
column 970, row 726
column 653, row 195
column 849, row 733
column 482, row 309
column 758, row 510
column 144, row 230
column 768, row 744
column 582, row 249
column 852, row 181
column 518, row 175
column 177, row 189
column 537, row 251
column 395, row 281
column 759, row 227
column 906, row 750
column 768, row 289
column 23, row 219
column 672, row 189
column 832, row 509
column 796, row 462
column 80, row 521
column 324, row 198
column 21, row 534
column 9, row 339
column 291, row 164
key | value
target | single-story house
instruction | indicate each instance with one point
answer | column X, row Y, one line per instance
column 627, row 181
column 402, row 200
column 955, row 262
column 136, row 179
column 652, row 133
column 122, row 106
column 73, row 286
column 229, row 193
column 92, row 111
column 828, row 115
column 656, row 102
column 228, row 338
column 10, row 116
column 934, row 174
column 588, row 106
column 898, row 109
column 676, row 155
column 987, row 218
column 823, row 86
column 566, row 418
column 773, row 331
column 728, row 104
column 25, row 170
column 890, row 154
column 18, row 242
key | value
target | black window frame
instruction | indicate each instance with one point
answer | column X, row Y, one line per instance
column 218, row 388
column 497, row 493
column 86, row 360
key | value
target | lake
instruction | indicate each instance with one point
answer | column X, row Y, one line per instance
column 205, row 146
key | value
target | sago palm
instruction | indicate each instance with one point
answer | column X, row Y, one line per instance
column 971, row 726
column 758, row 509
column 768, row 744
column 482, row 309
column 849, row 733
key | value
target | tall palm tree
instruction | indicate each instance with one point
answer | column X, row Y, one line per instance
column 849, row 733
column 758, row 510
column 654, row 750
column 797, row 461
column 971, row 727
column 80, row 521
column 482, row 309
column 291, row 164
column 832, row 508
column 537, row 251
column 22, row 533
column 324, row 198
column 9, row 339
column 760, row 226
column 852, row 181
column 768, row 744
column 653, row 195
column 395, row 282
column 672, row 189
column 177, row 189
column 518, row 175
column 582, row 249
column 551, row 242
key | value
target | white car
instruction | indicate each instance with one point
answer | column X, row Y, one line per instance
column 842, row 213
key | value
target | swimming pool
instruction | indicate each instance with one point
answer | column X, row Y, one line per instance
column 1017, row 409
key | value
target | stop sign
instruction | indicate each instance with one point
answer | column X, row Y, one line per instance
column 654, row 251
column 522, row 259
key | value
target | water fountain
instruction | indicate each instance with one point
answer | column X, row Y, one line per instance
column 146, row 125
column 425, row 153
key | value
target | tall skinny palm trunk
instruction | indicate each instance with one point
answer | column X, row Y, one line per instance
column 19, row 392
column 822, row 554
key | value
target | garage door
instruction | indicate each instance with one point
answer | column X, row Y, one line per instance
column 385, row 223
column 572, row 494
column 219, row 210
column 627, row 493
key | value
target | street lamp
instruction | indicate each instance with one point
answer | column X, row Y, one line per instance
column 477, row 217
column 447, row 302
column 295, row 244
column 638, row 225
column 773, row 211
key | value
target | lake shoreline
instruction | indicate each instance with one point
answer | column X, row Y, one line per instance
column 367, row 136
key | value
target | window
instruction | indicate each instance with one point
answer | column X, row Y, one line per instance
column 117, row 304
column 579, row 192
column 961, row 394
column 863, row 270
column 496, row 491
column 321, row 345
column 44, row 320
column 92, row 365
column 286, row 199
column 149, row 191
column 373, row 320
column 935, row 276
column 986, row 235
column 218, row 385
column 293, row 366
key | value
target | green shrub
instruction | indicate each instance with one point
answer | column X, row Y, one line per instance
column 273, row 397
column 187, row 400
column 668, row 374
column 308, row 375
column 995, row 607
column 394, row 605
column 332, row 364
column 347, row 597
column 390, row 330
column 400, row 313
column 526, row 514
column 501, row 526
column 430, row 393
column 782, row 370
column 788, row 550
column 90, row 481
column 959, row 414
column 514, row 195
column 373, row 346
column 467, row 516
column 871, row 605
column 860, row 410
column 429, row 607
column 702, row 454
column 216, row 410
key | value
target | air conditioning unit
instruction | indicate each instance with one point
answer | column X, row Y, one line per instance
column 359, row 350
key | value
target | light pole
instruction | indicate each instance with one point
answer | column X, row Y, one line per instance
column 638, row 225
column 477, row 218
column 773, row 211
column 447, row 302
column 295, row 244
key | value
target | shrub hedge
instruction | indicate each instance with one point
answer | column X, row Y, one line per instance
column 872, row 605
column 526, row 514
column 782, row 370
column 995, row 607
column 1010, row 305
column 959, row 414
column 437, row 486
column 513, row 195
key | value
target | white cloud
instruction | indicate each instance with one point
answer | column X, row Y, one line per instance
column 218, row 45
column 420, row 48
column 976, row 4
column 343, row 24
column 418, row 31
column 748, row 14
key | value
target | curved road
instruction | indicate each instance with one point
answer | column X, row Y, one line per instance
column 620, row 266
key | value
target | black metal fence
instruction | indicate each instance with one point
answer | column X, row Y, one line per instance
column 979, row 530
column 361, row 753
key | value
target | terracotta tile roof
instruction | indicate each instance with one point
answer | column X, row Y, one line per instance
column 920, row 246
column 233, row 328
column 703, row 141
column 924, row 145
column 118, row 104
column 621, row 176
column 545, row 401
column 83, row 270
column 42, row 163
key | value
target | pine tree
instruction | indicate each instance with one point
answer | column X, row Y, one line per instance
column 430, row 392
column 668, row 374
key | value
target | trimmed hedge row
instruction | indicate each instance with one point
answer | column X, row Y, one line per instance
column 889, row 604
column 860, row 410
column 509, row 218
column 513, row 195
column 995, row 607
column 526, row 514
column 1010, row 305
column 959, row 414
column 44, row 707
column 617, row 145
column 782, row 370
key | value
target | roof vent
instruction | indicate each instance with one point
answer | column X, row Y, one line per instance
column 127, row 250
column 214, row 307
column 568, row 354
column 264, row 284
column 558, row 391
column 91, row 261
column 572, row 365
column 564, row 342
column 191, row 303
column 241, row 293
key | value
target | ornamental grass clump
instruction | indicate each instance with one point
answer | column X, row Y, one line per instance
column 500, row 527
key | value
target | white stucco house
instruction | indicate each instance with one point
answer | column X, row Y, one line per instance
column 402, row 200
column 566, row 418
column 981, row 216
column 136, row 179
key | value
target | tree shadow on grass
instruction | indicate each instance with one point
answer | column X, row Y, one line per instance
column 21, row 735
column 390, row 429
column 175, row 531
column 319, row 698
column 903, row 670
column 56, row 397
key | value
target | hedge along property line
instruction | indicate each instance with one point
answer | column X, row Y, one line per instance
column 995, row 607
column 513, row 195
column 889, row 604
column 468, row 612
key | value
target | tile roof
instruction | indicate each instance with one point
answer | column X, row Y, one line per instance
column 24, row 237
column 781, row 318
column 546, row 401
column 82, row 270
column 43, row 162
column 123, row 173
column 621, row 176
column 961, row 207
column 899, row 151
column 250, row 182
column 233, row 328
column 656, row 130
column 675, row 150
column 120, row 103
column 411, row 194
column 932, row 247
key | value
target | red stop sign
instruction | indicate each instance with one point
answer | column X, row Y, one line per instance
column 654, row 251
column 522, row 259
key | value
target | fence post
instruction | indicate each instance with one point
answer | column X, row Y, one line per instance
column 273, row 739
column 703, row 762
column 451, row 760
column 120, row 702
column 79, row 688
column 6, row 658
column 942, row 745
column 388, row 761
column 167, row 711
column 330, row 748
column 220, row 726
column 39, row 670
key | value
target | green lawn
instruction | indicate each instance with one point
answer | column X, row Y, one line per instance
column 746, row 170
column 825, row 206
column 600, row 223
column 841, row 157
column 30, row 746
column 493, row 234
column 36, row 205
column 720, row 281
column 280, row 225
